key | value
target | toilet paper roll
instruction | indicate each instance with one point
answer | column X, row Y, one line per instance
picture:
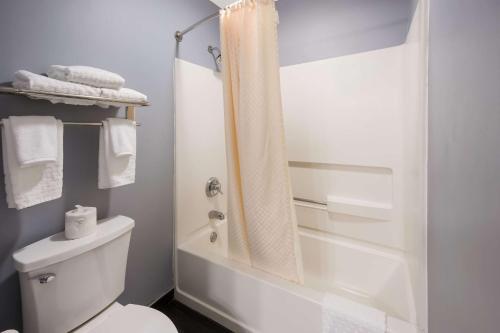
column 80, row 222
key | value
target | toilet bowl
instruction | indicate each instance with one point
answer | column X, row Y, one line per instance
column 72, row 285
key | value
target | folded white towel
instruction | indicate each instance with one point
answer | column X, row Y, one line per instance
column 35, row 139
column 344, row 316
column 125, row 94
column 31, row 81
column 91, row 76
column 122, row 136
column 113, row 171
column 65, row 100
column 32, row 185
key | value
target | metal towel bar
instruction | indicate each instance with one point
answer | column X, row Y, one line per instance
column 79, row 124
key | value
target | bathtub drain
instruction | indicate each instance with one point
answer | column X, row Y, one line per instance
column 213, row 237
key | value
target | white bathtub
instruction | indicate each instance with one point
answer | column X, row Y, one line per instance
column 248, row 300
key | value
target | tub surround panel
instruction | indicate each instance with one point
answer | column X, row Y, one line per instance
column 346, row 139
column 200, row 145
column 416, row 127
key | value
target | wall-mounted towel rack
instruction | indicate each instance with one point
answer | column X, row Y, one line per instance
column 80, row 124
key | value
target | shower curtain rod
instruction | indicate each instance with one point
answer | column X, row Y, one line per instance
column 180, row 34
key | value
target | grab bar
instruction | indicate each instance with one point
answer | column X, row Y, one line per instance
column 315, row 202
column 348, row 206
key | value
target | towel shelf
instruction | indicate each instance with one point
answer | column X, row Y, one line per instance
column 35, row 94
column 45, row 95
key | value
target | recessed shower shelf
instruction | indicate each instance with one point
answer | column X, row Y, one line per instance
column 43, row 95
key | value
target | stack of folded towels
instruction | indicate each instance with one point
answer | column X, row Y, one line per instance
column 32, row 148
column 78, row 80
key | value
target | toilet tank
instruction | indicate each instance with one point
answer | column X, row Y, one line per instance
column 64, row 282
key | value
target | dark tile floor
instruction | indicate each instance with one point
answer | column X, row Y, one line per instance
column 185, row 319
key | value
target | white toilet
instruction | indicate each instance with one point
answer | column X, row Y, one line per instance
column 72, row 285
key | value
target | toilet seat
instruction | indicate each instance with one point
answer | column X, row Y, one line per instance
column 131, row 319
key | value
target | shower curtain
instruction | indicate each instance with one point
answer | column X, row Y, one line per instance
column 261, row 218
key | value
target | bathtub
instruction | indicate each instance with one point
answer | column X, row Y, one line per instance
column 248, row 300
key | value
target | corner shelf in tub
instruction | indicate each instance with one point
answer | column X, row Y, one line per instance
column 43, row 95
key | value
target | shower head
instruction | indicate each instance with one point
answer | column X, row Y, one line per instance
column 217, row 55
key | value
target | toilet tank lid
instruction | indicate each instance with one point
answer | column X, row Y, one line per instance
column 57, row 248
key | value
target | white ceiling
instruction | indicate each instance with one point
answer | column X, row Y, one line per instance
column 223, row 3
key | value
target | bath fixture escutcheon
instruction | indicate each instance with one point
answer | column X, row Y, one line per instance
column 213, row 187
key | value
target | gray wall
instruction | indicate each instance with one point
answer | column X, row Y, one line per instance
column 319, row 29
column 464, row 195
column 135, row 39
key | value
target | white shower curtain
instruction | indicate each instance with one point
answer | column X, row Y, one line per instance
column 261, row 217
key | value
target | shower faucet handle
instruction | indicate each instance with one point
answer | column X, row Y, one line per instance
column 213, row 187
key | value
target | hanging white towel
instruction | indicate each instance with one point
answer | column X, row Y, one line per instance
column 91, row 76
column 114, row 171
column 122, row 136
column 35, row 139
column 32, row 185
column 344, row 316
